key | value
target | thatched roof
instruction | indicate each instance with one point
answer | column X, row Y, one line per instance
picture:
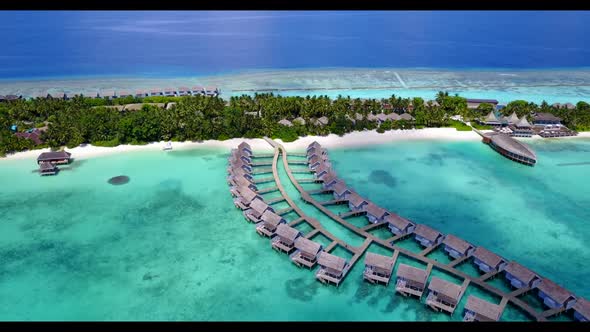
column 520, row 272
column 323, row 167
column 375, row 210
column 523, row 123
column 511, row 144
column 271, row 218
column 383, row 262
column 53, row 155
column 491, row 117
column 355, row 199
column 323, row 121
column 287, row 232
column 412, row 273
column 285, row 122
column 407, row 117
column 331, row 261
column 307, row 246
column 46, row 166
column 513, row 118
column 314, row 144
column 259, row 205
column 371, row 117
column 483, row 308
column 381, row 116
column 583, row 307
column 426, row 232
column 445, row 288
column 546, row 117
column 486, row 256
column 556, row 292
column 329, row 177
column 340, row 188
column 456, row 243
column 248, row 195
column 358, row 116
column 393, row 116
column 397, row 221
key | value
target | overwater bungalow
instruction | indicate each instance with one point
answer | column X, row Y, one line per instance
column 319, row 153
column 340, row 190
column 331, row 269
column 323, row 169
column 307, row 252
column 285, row 122
column 235, row 164
column 399, row 225
column 487, row 261
column 582, row 310
column 378, row 268
column 315, row 161
column 519, row 276
column 479, row 310
column 456, row 247
column 410, row 280
column 197, row 90
column 239, row 184
column 285, row 238
column 329, row 180
column 256, row 210
column 443, row 295
column 427, row 236
column 47, row 168
column 311, row 147
column 237, row 155
column 155, row 92
column 245, row 147
column 510, row 148
column 55, row 157
column 375, row 213
column 246, row 197
column 269, row 224
column 554, row 296
column 236, row 178
column 170, row 92
column 184, row 91
column 356, row 202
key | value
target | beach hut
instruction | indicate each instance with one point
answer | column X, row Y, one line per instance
column 480, row 310
column 285, row 122
column 443, row 295
column 329, row 180
column 285, row 238
column 241, row 183
column 155, row 92
column 456, row 247
column 358, row 116
column 582, row 310
column 512, row 119
column 256, row 210
column 332, row 268
column 238, row 173
column 519, row 276
column 555, row 296
column 399, row 225
column 381, row 117
column 245, row 198
column 410, row 280
column 269, row 224
column 356, row 202
column 322, row 121
column 492, row 120
column 322, row 170
column 300, row 121
column 108, row 94
column 427, row 236
column 241, row 155
column 326, row 175
column 340, row 190
column 245, row 147
column 184, row 91
column 372, row 118
column 522, row 128
column 140, row 94
column 306, row 253
column 211, row 91
column 375, row 213
column 197, row 90
column 55, row 157
column 406, row 117
column 487, row 261
column 170, row 92
column 33, row 135
column 47, row 168
column 378, row 268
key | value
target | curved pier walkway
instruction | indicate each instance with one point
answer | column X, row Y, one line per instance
column 370, row 238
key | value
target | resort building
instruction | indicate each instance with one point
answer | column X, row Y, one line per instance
column 394, row 117
column 340, row 190
column 312, row 148
column 519, row 276
column 510, row 148
column 306, row 253
column 512, row 119
column 47, row 168
column 321, row 122
column 315, row 161
column 211, row 91
column 542, row 119
column 140, row 93
column 410, row 280
column 124, row 94
column 443, row 295
column 33, row 135
column 241, row 183
column 381, row 117
column 323, row 169
column 235, row 164
column 285, row 237
column 184, row 91
column 329, row 180
column 487, row 261
column 256, row 210
column 456, row 247
column 108, row 94
column 285, row 122
column 522, row 128
column 155, row 92
column 269, row 224
column 406, row 117
column 378, row 268
column 245, row 148
column 582, row 310
column 55, row 157
column 375, row 213
column 555, row 296
column 479, row 310
column 427, row 236
column 474, row 103
column 197, row 90
column 356, row 202
column 399, row 225
column 492, row 120
column 245, row 198
column 55, row 95
column 331, row 269
column 170, row 92
column 240, row 155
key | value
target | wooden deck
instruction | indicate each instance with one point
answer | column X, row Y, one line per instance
column 320, row 191
column 334, row 202
column 284, row 211
column 430, row 249
column 296, row 222
column 275, row 200
column 352, row 214
column 261, row 171
column 264, row 180
column 262, row 163
column 374, row 226
column 267, row 190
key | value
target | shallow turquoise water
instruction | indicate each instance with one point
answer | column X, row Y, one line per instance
column 170, row 245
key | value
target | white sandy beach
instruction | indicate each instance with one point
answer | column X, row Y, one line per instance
column 355, row 139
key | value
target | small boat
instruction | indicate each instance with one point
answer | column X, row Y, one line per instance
column 167, row 147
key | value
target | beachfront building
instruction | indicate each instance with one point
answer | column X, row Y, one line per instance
column 315, row 161
column 124, row 94
column 285, row 237
column 245, row 198
column 184, row 91
column 169, row 92
column 394, row 117
column 378, row 268
column 47, row 168
column 332, row 268
column 211, row 91
column 522, row 128
column 269, row 224
column 399, row 225
column 312, row 148
column 197, row 90
column 582, row 310
column 108, row 94
column 487, row 261
column 427, row 236
column 510, row 148
column 241, row 155
column 457, row 247
column 512, row 119
column 140, row 94
column 443, row 295
column 375, row 213
column 555, row 296
column 479, row 310
column 406, row 117
column 329, row 180
column 323, row 169
column 256, row 210
column 356, row 203
column 237, row 164
column 306, row 252
column 410, row 280
column 321, row 122
column 518, row 276
column 473, row 103
column 340, row 190
column 543, row 119
column 55, row 157
column 245, row 148
column 155, row 93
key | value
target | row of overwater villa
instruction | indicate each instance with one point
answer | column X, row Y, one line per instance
column 410, row 281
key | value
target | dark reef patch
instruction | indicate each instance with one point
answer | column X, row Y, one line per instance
column 119, row 180
column 301, row 290
column 382, row 177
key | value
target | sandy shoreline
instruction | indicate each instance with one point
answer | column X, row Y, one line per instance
column 354, row 139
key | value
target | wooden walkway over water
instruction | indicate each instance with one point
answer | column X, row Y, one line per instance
column 369, row 239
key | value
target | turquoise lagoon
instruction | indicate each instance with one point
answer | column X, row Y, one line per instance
column 170, row 245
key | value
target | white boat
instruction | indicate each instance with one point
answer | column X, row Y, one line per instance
column 167, row 147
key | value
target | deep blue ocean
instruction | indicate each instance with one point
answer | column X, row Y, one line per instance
column 166, row 43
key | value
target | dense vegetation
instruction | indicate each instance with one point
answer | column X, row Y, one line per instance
column 194, row 118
